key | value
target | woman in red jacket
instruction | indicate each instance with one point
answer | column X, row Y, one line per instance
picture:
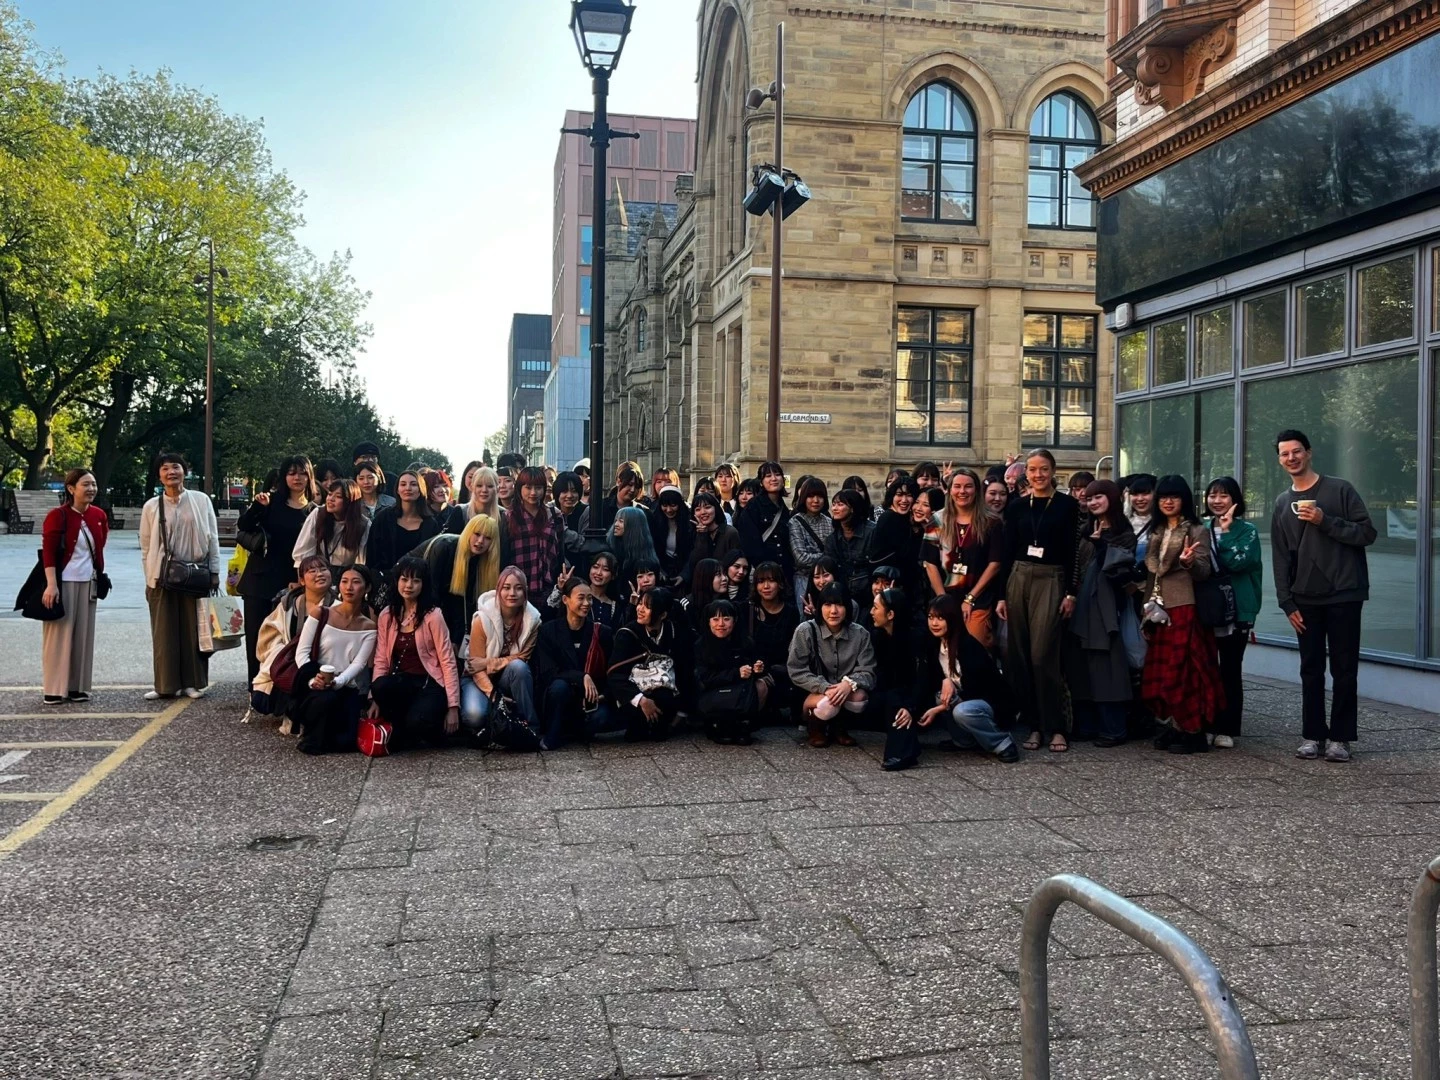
column 73, row 552
column 416, row 687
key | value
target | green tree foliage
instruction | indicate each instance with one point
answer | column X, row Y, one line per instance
column 111, row 190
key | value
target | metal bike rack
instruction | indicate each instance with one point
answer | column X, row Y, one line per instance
column 1227, row 1027
column 1424, row 995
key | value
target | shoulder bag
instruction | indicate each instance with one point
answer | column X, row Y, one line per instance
column 1215, row 596
column 31, row 600
column 284, row 669
column 180, row 575
column 102, row 579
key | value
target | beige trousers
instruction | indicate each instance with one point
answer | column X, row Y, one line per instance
column 67, row 646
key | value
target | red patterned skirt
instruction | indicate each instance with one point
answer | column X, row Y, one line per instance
column 1182, row 672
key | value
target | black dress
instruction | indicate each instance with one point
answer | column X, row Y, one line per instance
column 389, row 541
column 729, row 705
column 270, row 572
column 771, row 635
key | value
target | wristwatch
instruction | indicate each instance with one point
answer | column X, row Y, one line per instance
column 969, row 598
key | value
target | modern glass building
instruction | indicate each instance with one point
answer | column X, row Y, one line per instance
column 1270, row 258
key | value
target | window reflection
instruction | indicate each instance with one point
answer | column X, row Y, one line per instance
column 1385, row 302
column 1320, row 317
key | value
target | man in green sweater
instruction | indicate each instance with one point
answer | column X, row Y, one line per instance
column 1318, row 534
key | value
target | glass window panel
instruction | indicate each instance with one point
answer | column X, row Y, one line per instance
column 913, row 365
column 917, row 204
column 1169, row 353
column 914, row 394
column 1039, row 367
column 1077, row 411
column 960, row 118
column 915, row 111
column 1076, row 155
column 937, row 106
column 587, row 243
column 1075, row 400
column 1044, row 212
column 1135, row 450
column 1044, row 185
column 920, row 146
column 1060, row 116
column 952, row 367
column 1214, row 343
column 911, row 426
column 1037, row 415
column 1037, row 121
column 957, row 183
column 912, row 324
column 1132, row 352
column 1435, row 290
column 1046, row 155
column 1264, row 331
column 1320, row 317
column 1385, row 304
column 1215, row 438
column 1080, row 212
column 1435, row 495
column 1085, row 127
column 953, row 327
column 957, row 149
column 584, row 294
column 952, row 396
column 1077, row 331
column 1172, row 430
column 1039, row 332
column 1358, row 433
column 952, row 427
column 1077, row 369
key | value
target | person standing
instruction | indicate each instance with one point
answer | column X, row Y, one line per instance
column 370, row 478
column 1237, row 550
column 763, row 522
column 1042, row 542
column 965, row 554
column 338, row 529
column 272, row 523
column 1318, row 536
column 406, row 523
column 180, row 524
column 810, row 528
column 73, row 554
column 1097, row 670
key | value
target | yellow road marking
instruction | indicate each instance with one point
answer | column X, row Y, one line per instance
column 48, row 814
column 91, row 743
column 28, row 796
column 81, row 715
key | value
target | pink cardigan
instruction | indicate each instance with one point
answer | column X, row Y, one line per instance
column 432, row 641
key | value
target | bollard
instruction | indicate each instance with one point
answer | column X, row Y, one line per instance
column 1424, row 1014
column 1227, row 1027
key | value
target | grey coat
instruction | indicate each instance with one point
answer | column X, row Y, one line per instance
column 1096, row 667
column 819, row 658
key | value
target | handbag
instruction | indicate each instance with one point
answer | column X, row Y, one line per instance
column 252, row 540
column 1131, row 636
column 102, row 579
column 180, row 575
column 235, row 570
column 373, row 737
column 227, row 622
column 30, row 601
column 738, row 699
column 656, row 672
column 1215, row 605
column 507, row 728
column 284, row 669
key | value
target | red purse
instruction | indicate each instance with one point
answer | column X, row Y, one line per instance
column 283, row 668
column 374, row 739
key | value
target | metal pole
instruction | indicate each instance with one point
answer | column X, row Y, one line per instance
column 1227, row 1027
column 1424, row 996
column 600, row 140
column 772, row 426
column 210, row 376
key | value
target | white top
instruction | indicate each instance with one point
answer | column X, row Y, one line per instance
column 348, row 651
column 194, row 533
column 81, row 566
column 335, row 553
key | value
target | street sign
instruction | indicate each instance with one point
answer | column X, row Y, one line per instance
column 804, row 417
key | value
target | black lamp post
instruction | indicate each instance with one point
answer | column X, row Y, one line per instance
column 208, row 280
column 600, row 28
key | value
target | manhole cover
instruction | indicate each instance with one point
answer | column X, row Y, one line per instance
column 281, row 843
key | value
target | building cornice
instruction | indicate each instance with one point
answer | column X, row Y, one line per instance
column 1371, row 31
column 829, row 11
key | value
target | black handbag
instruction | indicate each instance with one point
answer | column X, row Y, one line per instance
column 1215, row 605
column 180, row 575
column 102, row 579
column 506, row 728
column 30, row 601
column 736, row 700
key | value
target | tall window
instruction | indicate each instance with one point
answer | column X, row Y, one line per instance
column 1063, row 133
column 585, row 340
column 584, row 294
column 938, row 172
column 587, row 243
column 640, row 321
column 1058, row 392
column 933, row 375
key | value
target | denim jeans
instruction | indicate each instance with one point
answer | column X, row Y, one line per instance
column 970, row 724
column 514, row 681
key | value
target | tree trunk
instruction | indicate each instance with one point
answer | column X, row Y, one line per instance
column 36, row 457
column 107, row 443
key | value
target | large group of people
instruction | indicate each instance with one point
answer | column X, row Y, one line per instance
column 525, row 610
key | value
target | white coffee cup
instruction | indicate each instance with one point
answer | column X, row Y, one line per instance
column 1300, row 504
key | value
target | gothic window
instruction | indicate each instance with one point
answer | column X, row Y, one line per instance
column 938, row 167
column 1063, row 133
column 640, row 321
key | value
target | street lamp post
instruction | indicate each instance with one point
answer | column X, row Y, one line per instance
column 208, row 280
column 600, row 28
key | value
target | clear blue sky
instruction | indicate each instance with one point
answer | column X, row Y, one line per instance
column 424, row 133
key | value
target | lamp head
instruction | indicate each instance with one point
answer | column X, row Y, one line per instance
column 756, row 98
column 600, row 28
column 769, row 188
column 797, row 194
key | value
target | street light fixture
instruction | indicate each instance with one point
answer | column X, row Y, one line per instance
column 779, row 192
column 208, row 280
column 600, row 28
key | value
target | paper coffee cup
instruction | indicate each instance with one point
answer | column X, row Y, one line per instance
column 1300, row 504
column 327, row 669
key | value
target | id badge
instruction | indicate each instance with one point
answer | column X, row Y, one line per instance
column 1035, row 552
column 958, row 574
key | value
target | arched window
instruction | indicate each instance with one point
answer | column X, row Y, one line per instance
column 937, row 177
column 640, row 331
column 1063, row 133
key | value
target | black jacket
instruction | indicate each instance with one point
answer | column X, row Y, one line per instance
column 560, row 654
column 751, row 524
column 718, row 663
column 268, row 574
column 896, row 542
column 771, row 635
column 672, row 567
column 980, row 679
column 388, row 542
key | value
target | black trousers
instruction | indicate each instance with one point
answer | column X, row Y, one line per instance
column 329, row 719
column 414, row 705
column 1232, row 666
column 1332, row 629
column 639, row 729
column 255, row 614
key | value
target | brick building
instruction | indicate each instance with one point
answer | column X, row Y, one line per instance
column 938, row 299
column 1270, row 258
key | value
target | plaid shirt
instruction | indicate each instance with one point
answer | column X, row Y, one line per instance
column 536, row 550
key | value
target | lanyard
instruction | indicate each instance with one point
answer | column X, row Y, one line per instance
column 1035, row 524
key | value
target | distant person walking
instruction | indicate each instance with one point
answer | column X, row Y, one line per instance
column 73, row 553
column 1318, row 536
column 177, row 526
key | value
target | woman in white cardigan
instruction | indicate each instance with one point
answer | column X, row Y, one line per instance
column 502, row 639
column 190, row 533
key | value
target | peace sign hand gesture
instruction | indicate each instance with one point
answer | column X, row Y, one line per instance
column 1187, row 556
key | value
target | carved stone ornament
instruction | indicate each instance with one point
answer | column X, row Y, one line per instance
column 1159, row 76
column 1205, row 54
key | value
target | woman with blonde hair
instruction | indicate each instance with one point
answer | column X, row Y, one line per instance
column 464, row 568
column 966, row 554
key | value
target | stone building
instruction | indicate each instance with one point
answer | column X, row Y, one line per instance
column 1270, row 259
column 938, row 295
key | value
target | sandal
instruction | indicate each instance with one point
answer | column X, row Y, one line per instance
column 1059, row 745
column 1032, row 743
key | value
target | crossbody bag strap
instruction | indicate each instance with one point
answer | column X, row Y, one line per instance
column 164, row 532
column 806, row 526
column 95, row 566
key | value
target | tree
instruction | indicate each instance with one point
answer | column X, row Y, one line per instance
column 496, row 442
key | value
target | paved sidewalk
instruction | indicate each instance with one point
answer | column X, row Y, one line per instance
column 777, row 911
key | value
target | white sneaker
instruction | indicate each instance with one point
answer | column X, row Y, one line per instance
column 1309, row 750
column 1223, row 742
column 154, row 695
column 1337, row 751
column 192, row 693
